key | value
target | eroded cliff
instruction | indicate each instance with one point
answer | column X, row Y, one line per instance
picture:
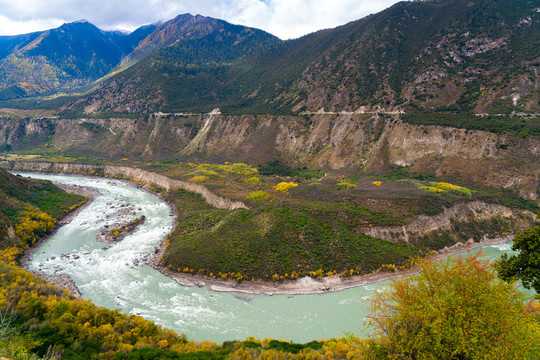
column 372, row 143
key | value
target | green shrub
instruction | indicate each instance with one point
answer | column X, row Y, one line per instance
column 344, row 185
column 252, row 180
column 258, row 196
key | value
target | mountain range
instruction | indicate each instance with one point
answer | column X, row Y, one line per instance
column 72, row 55
column 79, row 53
column 476, row 56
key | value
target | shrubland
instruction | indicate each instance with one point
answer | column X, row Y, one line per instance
column 297, row 226
column 454, row 309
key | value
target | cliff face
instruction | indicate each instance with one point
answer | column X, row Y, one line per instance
column 447, row 222
column 321, row 141
column 374, row 143
column 497, row 160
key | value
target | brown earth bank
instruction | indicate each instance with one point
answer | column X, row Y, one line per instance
column 123, row 172
column 368, row 142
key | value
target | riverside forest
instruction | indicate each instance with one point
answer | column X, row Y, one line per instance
column 163, row 190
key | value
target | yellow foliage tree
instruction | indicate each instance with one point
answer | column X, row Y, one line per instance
column 285, row 187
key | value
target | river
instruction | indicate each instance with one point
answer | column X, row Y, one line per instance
column 106, row 274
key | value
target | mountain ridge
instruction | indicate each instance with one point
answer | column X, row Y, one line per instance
column 451, row 55
column 52, row 60
column 78, row 53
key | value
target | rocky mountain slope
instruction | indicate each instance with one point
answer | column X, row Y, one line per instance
column 79, row 53
column 442, row 55
column 72, row 55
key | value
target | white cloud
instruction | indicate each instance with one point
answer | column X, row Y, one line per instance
column 294, row 18
column 10, row 27
column 283, row 18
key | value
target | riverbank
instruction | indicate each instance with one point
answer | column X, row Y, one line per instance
column 307, row 285
column 62, row 280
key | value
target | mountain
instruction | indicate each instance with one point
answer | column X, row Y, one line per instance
column 72, row 55
column 193, row 50
column 445, row 55
column 79, row 53
column 183, row 27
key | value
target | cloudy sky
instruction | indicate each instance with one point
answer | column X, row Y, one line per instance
column 284, row 18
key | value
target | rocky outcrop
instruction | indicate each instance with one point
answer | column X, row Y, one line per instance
column 474, row 211
column 319, row 141
column 127, row 173
column 497, row 160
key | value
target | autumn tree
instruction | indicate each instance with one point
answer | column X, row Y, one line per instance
column 454, row 309
column 524, row 266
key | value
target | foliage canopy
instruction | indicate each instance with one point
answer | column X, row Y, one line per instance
column 524, row 266
column 454, row 309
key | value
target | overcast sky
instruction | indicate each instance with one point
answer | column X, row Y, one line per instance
column 284, row 18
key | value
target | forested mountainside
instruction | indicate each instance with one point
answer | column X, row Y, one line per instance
column 30, row 208
column 476, row 56
column 72, row 55
column 79, row 53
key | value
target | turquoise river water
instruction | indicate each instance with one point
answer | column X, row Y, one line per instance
column 109, row 277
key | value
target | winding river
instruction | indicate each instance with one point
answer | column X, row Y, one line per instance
column 107, row 275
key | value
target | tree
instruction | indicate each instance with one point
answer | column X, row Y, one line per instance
column 454, row 309
column 524, row 266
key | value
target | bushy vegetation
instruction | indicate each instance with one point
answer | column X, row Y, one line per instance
column 524, row 266
column 454, row 309
column 443, row 188
column 521, row 125
column 505, row 197
column 216, row 170
column 276, row 241
column 345, row 184
column 257, row 196
column 285, row 187
column 280, row 169
column 49, row 316
column 31, row 207
column 121, row 231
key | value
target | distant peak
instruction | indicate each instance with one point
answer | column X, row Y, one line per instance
column 183, row 16
column 75, row 23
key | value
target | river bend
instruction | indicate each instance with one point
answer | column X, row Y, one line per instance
column 108, row 275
